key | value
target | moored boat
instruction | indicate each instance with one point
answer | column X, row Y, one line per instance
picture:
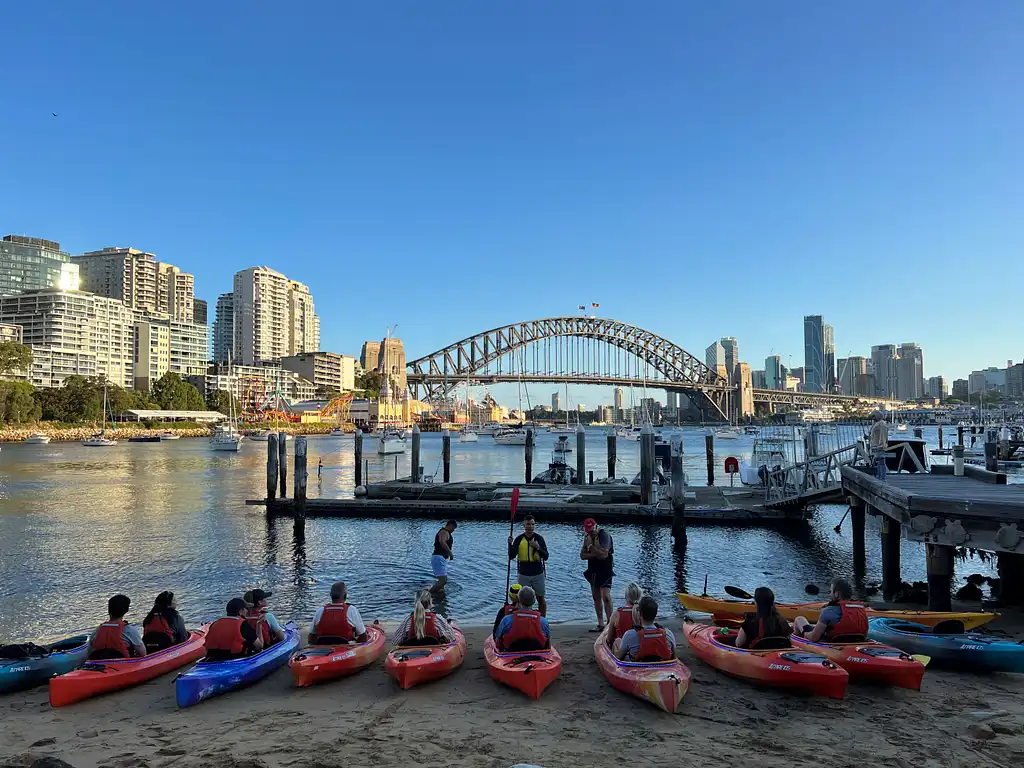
column 320, row 663
column 662, row 683
column 96, row 677
column 528, row 671
column 36, row 438
column 25, row 666
column 867, row 661
column 951, row 645
column 415, row 664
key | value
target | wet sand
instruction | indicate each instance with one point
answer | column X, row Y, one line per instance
column 469, row 720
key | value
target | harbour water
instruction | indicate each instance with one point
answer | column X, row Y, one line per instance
column 78, row 524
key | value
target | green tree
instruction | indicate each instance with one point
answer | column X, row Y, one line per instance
column 172, row 393
column 14, row 357
column 80, row 399
column 18, row 404
column 220, row 400
column 371, row 381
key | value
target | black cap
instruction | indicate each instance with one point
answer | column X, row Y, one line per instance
column 253, row 596
column 235, row 606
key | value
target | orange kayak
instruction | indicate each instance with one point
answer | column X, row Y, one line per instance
column 320, row 663
column 792, row 668
column 527, row 671
column 870, row 662
column 414, row 664
column 663, row 683
column 810, row 611
column 96, row 677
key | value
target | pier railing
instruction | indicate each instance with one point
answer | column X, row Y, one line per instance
column 814, row 457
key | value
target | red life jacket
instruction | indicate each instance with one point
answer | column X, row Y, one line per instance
column 225, row 635
column 853, row 622
column 334, row 622
column 254, row 618
column 654, row 645
column 109, row 637
column 429, row 627
column 158, row 625
column 625, row 621
column 526, row 630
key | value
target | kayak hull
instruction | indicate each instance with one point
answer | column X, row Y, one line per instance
column 662, row 683
column 413, row 665
column 22, row 674
column 810, row 611
column 530, row 671
column 94, row 678
column 790, row 668
column 870, row 662
column 212, row 678
column 964, row 651
column 322, row 663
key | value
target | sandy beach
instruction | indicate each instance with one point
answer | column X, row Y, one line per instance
column 469, row 720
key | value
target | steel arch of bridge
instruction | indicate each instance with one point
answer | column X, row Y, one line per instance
column 440, row 372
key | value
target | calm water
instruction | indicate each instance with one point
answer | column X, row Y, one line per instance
column 79, row 524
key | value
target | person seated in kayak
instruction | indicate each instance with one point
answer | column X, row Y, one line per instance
column 524, row 629
column 232, row 636
column 649, row 642
column 423, row 626
column 841, row 619
column 507, row 608
column 762, row 623
column 163, row 625
column 262, row 620
column 627, row 617
column 337, row 622
column 116, row 638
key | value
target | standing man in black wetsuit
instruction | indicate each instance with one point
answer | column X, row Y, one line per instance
column 444, row 542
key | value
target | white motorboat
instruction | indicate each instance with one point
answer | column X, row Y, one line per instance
column 100, row 440
column 767, row 454
column 37, row 438
column 337, row 432
column 562, row 445
column 627, row 433
column 901, row 427
column 562, row 430
column 468, row 436
column 390, row 441
column 727, row 433
column 490, row 428
column 511, row 436
column 169, row 436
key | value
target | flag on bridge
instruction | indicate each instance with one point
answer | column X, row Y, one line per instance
column 595, row 306
column 582, row 306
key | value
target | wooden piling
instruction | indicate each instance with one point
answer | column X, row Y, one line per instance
column 359, row 457
column 857, row 521
column 959, row 435
column 646, row 464
column 581, row 453
column 1010, row 567
column 709, row 449
column 271, row 468
column 991, row 456
column 611, row 456
column 416, row 437
column 528, row 454
column 678, row 490
column 918, row 432
column 939, row 562
column 282, row 453
column 300, row 478
column 892, row 581
column 446, row 455
column 590, row 480
column 940, row 437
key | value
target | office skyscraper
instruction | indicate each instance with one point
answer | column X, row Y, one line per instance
column 714, row 355
column 619, row 403
column 828, row 381
column 814, row 353
column 731, row 351
column 849, row 369
column 774, row 373
column 34, row 264
column 910, row 373
column 883, row 360
column 556, row 402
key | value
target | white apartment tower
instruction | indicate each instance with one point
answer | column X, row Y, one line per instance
column 139, row 280
column 273, row 317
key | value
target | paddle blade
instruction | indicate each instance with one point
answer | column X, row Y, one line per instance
column 737, row 592
column 515, row 501
column 922, row 658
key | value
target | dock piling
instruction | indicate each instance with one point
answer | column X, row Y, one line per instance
column 300, row 478
column 958, row 460
column 528, row 454
column 939, row 563
column 271, row 468
column 415, row 469
column 918, row 433
column 446, row 455
column 611, row 456
column 709, row 449
column 647, row 464
column 991, row 456
column 940, row 437
column 581, row 453
column 960, row 435
column 1010, row 567
column 678, row 491
column 892, row 581
column 359, row 457
column 857, row 521
column 282, row 453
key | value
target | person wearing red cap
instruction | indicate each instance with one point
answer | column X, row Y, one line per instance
column 598, row 550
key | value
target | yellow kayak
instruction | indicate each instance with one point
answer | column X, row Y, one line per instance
column 810, row 611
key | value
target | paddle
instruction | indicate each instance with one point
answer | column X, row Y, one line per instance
column 839, row 528
column 737, row 592
column 511, row 528
column 921, row 657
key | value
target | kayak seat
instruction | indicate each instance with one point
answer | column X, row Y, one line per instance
column 526, row 645
column 847, row 639
column 949, row 627
column 771, row 644
column 105, row 654
column 23, row 651
column 328, row 640
column 424, row 641
column 157, row 641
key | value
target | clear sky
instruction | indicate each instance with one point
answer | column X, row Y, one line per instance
column 699, row 169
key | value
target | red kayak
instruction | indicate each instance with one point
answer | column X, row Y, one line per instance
column 663, row 683
column 792, row 668
column 868, row 661
column 414, row 664
column 96, row 677
column 527, row 671
column 320, row 663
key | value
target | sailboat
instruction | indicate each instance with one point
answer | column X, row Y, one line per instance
column 468, row 434
column 389, row 439
column 98, row 440
column 513, row 435
column 226, row 437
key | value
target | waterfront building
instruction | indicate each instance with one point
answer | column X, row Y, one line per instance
column 10, row 332
column 224, row 329
column 731, row 351
column 619, row 404
column 74, row 332
column 35, row 264
column 850, row 370
column 910, row 372
column 1014, row 380
column 152, row 353
column 273, row 317
column 329, row 372
column 255, row 386
column 883, row 361
column 937, row 387
column 828, row 380
column 606, row 413
column 139, row 280
column 758, row 380
column 774, row 372
column 556, row 402
column 814, row 353
column 986, row 380
column 714, row 356
column 961, row 389
column 200, row 310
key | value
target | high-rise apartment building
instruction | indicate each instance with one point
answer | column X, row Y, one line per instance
column 774, row 373
column 1014, row 380
column 200, row 311
column 757, row 379
column 328, row 371
column 960, row 389
column 672, row 403
column 714, row 356
column 224, row 328
column 369, row 357
column 848, row 370
column 273, row 317
column 814, row 353
column 883, row 363
column 139, row 280
column 152, row 353
column 619, row 403
column 556, row 402
column 937, row 387
column 34, row 264
column 910, row 372
column 828, row 380
column 732, row 353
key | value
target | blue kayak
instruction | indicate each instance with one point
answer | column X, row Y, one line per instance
column 212, row 678
column 954, row 648
column 26, row 666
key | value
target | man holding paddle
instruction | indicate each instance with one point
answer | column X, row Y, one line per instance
column 530, row 552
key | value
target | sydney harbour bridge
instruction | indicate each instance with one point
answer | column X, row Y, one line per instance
column 588, row 350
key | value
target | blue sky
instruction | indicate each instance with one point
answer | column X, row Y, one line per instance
column 699, row 169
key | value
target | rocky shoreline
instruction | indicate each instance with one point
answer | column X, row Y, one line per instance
column 126, row 431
